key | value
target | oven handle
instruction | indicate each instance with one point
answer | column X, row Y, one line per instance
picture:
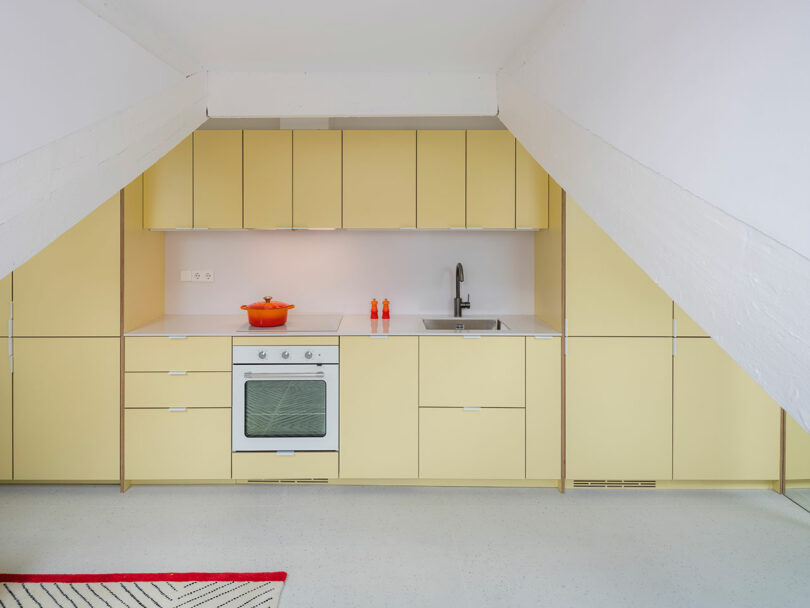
column 283, row 375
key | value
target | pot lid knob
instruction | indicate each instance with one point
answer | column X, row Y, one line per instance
column 268, row 298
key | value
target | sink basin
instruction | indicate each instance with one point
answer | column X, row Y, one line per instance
column 463, row 324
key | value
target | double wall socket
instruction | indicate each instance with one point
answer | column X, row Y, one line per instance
column 197, row 276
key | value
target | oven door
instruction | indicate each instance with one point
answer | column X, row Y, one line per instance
column 285, row 407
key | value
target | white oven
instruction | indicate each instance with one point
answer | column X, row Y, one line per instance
column 285, row 398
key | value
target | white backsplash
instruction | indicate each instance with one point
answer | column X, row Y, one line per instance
column 341, row 271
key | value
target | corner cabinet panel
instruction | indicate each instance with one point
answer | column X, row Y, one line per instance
column 81, row 270
column 619, row 408
column 531, row 191
column 725, row 425
column 379, row 416
column 441, row 190
column 268, row 175
column 317, row 179
column 5, row 416
column 490, row 179
column 217, row 179
column 543, row 407
column 167, row 189
column 379, row 179
column 66, row 409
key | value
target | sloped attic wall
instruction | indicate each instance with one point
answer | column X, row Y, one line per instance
column 682, row 130
column 85, row 110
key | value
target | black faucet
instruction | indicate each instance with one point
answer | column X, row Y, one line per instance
column 458, row 303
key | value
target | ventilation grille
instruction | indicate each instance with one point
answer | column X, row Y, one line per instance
column 614, row 483
column 289, row 481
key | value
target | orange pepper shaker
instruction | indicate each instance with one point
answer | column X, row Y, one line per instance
column 386, row 309
column 374, row 309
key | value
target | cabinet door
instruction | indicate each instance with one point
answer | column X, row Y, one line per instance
column 484, row 371
column 81, row 271
column 725, row 424
column 441, row 161
column 317, row 179
column 5, row 300
column 490, row 179
column 531, row 191
column 619, row 408
column 457, row 443
column 66, row 409
column 685, row 326
column 797, row 451
column 218, row 179
column 5, row 415
column 379, row 179
column 543, row 408
column 379, row 417
column 167, row 189
column 607, row 294
column 187, row 444
column 268, row 179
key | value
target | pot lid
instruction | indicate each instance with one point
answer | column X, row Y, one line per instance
column 268, row 305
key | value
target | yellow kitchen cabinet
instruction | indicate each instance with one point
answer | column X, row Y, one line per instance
column 490, row 179
column 725, row 426
column 81, row 271
column 531, row 191
column 268, row 179
column 685, row 326
column 284, row 465
column 217, row 179
column 379, row 179
column 184, row 445
column 317, row 179
column 472, row 371
column 459, row 443
column 5, row 415
column 379, row 407
column 189, row 354
column 607, row 294
column 167, row 189
column 441, row 189
column 797, row 451
column 543, row 407
column 66, row 409
column 619, row 408
column 177, row 389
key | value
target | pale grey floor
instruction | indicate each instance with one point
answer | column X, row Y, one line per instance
column 448, row 547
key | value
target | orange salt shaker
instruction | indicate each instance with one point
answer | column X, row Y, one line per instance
column 374, row 309
column 386, row 309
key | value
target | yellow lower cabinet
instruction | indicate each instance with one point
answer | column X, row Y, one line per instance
column 177, row 389
column 484, row 371
column 797, row 450
column 187, row 444
column 283, row 465
column 379, row 415
column 618, row 408
column 158, row 354
column 472, row 443
column 543, row 408
column 726, row 427
column 66, row 409
column 5, row 416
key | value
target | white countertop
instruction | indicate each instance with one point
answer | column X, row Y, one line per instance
column 347, row 325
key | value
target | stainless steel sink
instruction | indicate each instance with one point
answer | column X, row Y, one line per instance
column 464, row 324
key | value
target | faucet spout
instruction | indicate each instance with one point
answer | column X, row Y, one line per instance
column 458, row 303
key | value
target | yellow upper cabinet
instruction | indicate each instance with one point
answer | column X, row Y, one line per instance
column 490, row 179
column 618, row 408
column 217, row 179
column 80, row 272
column 317, row 179
column 167, row 189
column 531, row 191
column 607, row 294
column 725, row 424
column 379, row 179
column 268, row 179
column 543, row 407
column 441, row 190
column 5, row 299
column 685, row 326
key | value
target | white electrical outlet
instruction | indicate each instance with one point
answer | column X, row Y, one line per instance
column 196, row 276
column 208, row 276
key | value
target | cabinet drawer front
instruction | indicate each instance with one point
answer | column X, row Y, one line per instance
column 190, row 444
column 162, row 389
column 151, row 354
column 455, row 443
column 459, row 371
column 272, row 465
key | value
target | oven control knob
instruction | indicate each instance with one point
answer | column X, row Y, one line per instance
column 285, row 354
column 262, row 354
column 308, row 354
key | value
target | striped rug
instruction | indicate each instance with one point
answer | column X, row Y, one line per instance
column 164, row 590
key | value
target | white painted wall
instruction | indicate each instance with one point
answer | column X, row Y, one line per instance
column 342, row 270
column 682, row 130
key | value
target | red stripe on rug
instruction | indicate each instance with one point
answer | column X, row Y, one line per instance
column 139, row 577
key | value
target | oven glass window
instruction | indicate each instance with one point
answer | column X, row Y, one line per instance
column 285, row 408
